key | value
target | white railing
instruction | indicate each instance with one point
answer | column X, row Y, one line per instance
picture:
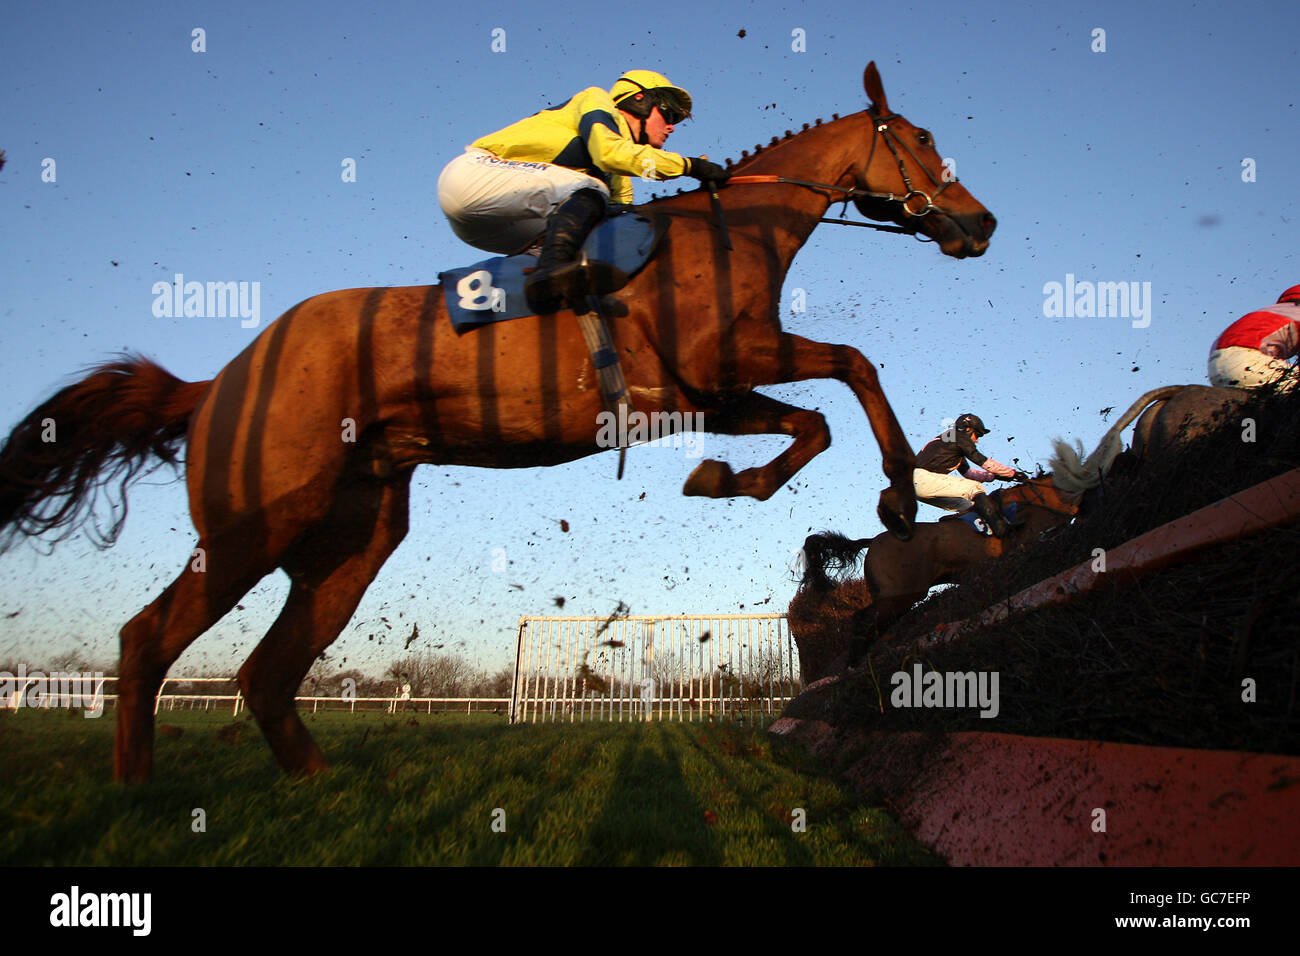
column 397, row 705
column 393, row 704
column 207, row 699
column 389, row 704
column 652, row 667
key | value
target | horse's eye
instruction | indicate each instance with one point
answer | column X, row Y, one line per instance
column 923, row 138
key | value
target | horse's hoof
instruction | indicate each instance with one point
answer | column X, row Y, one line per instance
column 892, row 515
column 711, row 479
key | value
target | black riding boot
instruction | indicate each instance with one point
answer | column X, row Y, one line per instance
column 560, row 278
column 986, row 509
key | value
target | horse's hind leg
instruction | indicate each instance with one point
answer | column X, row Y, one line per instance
column 213, row 580
column 755, row 414
column 330, row 567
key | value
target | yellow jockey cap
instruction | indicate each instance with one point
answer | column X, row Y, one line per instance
column 658, row 90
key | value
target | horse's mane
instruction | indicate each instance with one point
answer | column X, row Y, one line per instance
column 747, row 159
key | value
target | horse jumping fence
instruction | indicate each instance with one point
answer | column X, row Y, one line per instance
column 653, row 667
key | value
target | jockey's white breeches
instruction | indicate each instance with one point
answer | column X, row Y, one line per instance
column 949, row 492
column 501, row 205
column 1237, row 367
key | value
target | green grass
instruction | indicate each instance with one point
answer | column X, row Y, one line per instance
column 421, row 790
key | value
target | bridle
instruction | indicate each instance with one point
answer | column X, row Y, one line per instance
column 893, row 142
column 1039, row 501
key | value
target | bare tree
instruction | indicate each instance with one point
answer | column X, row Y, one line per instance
column 501, row 683
column 435, row 675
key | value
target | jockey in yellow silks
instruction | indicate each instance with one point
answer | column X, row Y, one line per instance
column 552, row 174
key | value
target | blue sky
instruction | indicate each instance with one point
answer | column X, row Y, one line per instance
column 1115, row 166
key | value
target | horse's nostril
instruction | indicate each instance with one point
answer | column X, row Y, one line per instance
column 990, row 222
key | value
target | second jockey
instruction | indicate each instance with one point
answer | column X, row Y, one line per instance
column 552, row 174
column 935, row 485
column 1253, row 351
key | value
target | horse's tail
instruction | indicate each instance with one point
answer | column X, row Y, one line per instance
column 828, row 551
column 99, row 431
column 1071, row 472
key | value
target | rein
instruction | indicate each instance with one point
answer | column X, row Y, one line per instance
column 890, row 137
column 1022, row 495
column 758, row 178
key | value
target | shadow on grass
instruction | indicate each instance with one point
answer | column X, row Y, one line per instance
column 650, row 817
column 793, row 846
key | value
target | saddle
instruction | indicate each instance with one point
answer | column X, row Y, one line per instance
column 493, row 290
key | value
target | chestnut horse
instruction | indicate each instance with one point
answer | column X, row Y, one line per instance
column 900, row 573
column 300, row 452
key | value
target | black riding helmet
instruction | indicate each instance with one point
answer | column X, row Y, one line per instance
column 971, row 421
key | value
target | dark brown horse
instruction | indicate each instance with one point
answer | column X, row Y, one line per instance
column 300, row 452
column 900, row 573
column 1165, row 417
column 1191, row 412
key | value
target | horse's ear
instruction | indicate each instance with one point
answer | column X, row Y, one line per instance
column 875, row 92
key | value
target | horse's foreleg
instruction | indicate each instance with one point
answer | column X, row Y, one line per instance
column 213, row 580
column 330, row 567
column 755, row 414
column 792, row 358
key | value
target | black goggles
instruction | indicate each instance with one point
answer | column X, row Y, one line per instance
column 671, row 114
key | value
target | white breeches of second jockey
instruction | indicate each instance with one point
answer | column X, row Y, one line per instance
column 1237, row 367
column 501, row 205
column 949, row 492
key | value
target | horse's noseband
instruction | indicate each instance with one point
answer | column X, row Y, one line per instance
column 891, row 138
